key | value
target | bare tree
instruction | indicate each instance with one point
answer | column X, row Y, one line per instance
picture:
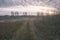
column 12, row 13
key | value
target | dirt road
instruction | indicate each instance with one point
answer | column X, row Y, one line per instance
column 26, row 32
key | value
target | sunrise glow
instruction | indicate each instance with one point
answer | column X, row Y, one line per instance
column 43, row 9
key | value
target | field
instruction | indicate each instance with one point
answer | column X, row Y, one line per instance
column 47, row 28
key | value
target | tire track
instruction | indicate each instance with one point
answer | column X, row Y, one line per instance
column 20, row 32
column 27, row 31
column 33, row 30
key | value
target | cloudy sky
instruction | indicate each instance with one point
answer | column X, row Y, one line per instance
column 27, row 5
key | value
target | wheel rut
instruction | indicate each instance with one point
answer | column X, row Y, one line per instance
column 26, row 32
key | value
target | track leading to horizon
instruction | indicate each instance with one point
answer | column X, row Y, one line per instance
column 26, row 32
column 29, row 29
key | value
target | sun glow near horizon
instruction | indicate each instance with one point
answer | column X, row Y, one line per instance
column 46, row 9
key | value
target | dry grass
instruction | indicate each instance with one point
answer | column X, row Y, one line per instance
column 45, row 29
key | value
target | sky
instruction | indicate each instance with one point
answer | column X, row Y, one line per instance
column 6, row 6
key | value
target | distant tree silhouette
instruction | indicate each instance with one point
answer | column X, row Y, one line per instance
column 38, row 13
column 25, row 13
column 16, row 13
column 12, row 13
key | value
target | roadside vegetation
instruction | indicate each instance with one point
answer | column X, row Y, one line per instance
column 47, row 28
